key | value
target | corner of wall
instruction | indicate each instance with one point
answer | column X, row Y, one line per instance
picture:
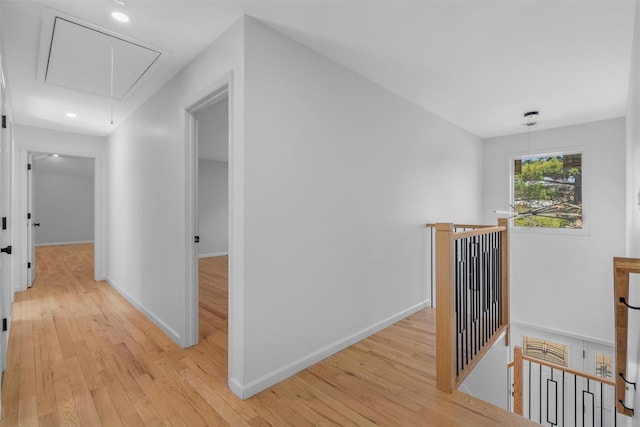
column 175, row 336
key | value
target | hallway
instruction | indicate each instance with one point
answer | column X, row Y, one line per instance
column 79, row 354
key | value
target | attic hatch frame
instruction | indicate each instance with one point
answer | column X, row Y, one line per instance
column 47, row 33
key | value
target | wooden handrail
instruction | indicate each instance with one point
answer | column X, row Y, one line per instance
column 477, row 232
column 622, row 268
column 433, row 225
column 449, row 372
column 552, row 365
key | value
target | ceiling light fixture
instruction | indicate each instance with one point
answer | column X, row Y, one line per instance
column 531, row 118
column 72, row 115
column 55, row 155
column 120, row 17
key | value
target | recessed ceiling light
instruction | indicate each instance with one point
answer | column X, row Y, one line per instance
column 72, row 115
column 120, row 17
column 55, row 155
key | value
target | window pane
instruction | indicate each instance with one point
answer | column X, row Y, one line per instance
column 548, row 191
column 604, row 365
column 546, row 350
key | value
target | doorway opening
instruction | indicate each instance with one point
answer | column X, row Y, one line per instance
column 212, row 138
column 208, row 204
column 60, row 210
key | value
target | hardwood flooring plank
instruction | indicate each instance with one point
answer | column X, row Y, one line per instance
column 105, row 408
column 80, row 354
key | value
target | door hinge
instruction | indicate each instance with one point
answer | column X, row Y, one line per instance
column 4, row 222
column 196, row 239
column 28, row 166
column 4, row 324
column 584, row 354
column 6, row 250
column 29, row 215
column 28, row 265
column 4, row 121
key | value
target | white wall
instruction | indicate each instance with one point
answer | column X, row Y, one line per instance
column 149, row 234
column 32, row 139
column 213, row 207
column 213, row 131
column 331, row 182
column 633, row 210
column 563, row 282
column 213, row 178
column 63, row 199
column 489, row 379
column 340, row 178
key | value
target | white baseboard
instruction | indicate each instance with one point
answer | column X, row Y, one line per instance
column 213, row 254
column 65, row 243
column 150, row 315
column 256, row 386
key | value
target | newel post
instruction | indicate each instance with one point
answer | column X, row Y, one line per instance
column 518, row 407
column 445, row 320
column 504, row 222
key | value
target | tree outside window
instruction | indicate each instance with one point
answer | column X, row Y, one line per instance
column 547, row 191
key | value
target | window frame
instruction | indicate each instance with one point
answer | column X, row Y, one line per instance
column 586, row 190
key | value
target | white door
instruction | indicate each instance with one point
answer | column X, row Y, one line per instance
column 5, row 237
column 600, row 361
column 31, row 224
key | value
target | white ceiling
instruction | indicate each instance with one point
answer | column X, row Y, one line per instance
column 479, row 63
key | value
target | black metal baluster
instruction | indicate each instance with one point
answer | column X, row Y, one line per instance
column 575, row 402
column 529, row 389
column 457, row 262
column 601, row 406
column 563, row 390
column 467, row 308
column 540, row 385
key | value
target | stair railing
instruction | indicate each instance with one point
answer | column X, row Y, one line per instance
column 472, row 288
column 555, row 395
column 622, row 269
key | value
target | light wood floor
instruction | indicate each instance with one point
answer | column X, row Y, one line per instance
column 79, row 354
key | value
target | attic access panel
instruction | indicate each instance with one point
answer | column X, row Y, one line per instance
column 80, row 58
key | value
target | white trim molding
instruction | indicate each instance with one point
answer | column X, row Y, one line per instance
column 245, row 391
column 175, row 336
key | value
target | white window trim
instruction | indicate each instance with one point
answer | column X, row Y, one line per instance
column 586, row 191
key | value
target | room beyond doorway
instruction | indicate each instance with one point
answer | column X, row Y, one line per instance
column 60, row 203
column 212, row 200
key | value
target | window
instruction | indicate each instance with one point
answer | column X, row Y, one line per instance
column 547, row 191
column 604, row 366
column 546, row 350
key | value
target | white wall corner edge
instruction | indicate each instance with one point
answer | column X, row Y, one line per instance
column 236, row 387
column 148, row 314
column 274, row 377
